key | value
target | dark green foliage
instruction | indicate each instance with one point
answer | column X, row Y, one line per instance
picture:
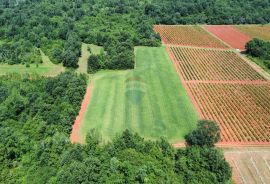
column 209, row 11
column 202, row 165
column 260, row 49
column 94, row 63
column 58, row 27
column 206, row 134
column 36, row 114
column 19, row 52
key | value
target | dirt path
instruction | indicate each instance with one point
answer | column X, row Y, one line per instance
column 75, row 137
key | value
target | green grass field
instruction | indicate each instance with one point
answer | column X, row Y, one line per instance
column 85, row 54
column 259, row 62
column 149, row 100
column 47, row 68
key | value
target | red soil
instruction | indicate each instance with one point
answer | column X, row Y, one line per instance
column 75, row 137
column 230, row 35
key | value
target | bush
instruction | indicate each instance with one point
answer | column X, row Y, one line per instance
column 93, row 64
column 259, row 48
column 206, row 134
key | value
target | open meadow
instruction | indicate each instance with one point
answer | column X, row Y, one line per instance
column 46, row 68
column 149, row 100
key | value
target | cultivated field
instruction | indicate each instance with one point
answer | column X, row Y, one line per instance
column 226, row 89
column 241, row 110
column 255, row 31
column 250, row 165
column 187, row 36
column 207, row 64
column 149, row 100
column 230, row 35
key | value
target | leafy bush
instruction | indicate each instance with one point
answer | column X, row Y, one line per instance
column 259, row 48
column 206, row 134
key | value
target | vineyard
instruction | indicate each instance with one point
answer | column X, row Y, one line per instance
column 217, row 65
column 256, row 31
column 230, row 35
column 225, row 88
column 242, row 110
column 188, row 36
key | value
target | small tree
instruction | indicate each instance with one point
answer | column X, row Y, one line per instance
column 206, row 134
column 93, row 64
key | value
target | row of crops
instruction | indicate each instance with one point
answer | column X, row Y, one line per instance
column 242, row 110
column 223, row 86
column 188, row 36
column 207, row 64
column 212, row 36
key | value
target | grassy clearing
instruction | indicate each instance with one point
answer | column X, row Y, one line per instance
column 260, row 62
column 149, row 100
column 85, row 54
column 47, row 68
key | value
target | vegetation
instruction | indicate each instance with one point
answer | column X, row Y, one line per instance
column 260, row 50
column 37, row 113
column 59, row 27
column 207, row 134
column 141, row 100
column 33, row 112
column 36, row 116
column 209, row 11
column 46, row 68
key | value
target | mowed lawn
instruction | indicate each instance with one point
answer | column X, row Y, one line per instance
column 47, row 68
column 149, row 100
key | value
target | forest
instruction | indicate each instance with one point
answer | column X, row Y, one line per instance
column 59, row 27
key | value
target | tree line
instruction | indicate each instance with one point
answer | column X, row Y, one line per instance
column 59, row 27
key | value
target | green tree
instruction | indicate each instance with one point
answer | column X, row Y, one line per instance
column 206, row 134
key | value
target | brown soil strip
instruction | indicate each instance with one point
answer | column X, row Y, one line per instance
column 75, row 137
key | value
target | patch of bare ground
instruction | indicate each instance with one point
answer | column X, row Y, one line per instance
column 251, row 165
